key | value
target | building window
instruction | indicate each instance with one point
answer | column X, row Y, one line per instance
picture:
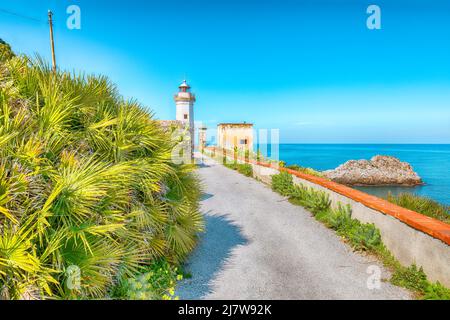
column 244, row 141
column 185, row 117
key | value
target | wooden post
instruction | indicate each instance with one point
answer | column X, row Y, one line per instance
column 52, row 42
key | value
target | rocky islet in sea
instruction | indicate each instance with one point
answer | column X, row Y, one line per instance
column 379, row 171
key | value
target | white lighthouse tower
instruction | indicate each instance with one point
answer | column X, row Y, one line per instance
column 185, row 101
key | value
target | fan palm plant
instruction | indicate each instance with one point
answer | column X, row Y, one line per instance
column 86, row 182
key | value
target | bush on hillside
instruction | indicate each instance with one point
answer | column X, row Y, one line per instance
column 6, row 52
column 283, row 184
column 243, row 168
column 155, row 282
column 87, row 186
column 309, row 171
column 422, row 205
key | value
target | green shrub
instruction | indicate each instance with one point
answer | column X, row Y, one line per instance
column 360, row 236
column 309, row 171
column 247, row 155
column 340, row 218
column 299, row 193
column 245, row 169
column 422, row 205
column 364, row 236
column 411, row 278
column 415, row 279
column 314, row 201
column 436, row 291
column 318, row 201
column 5, row 51
column 86, row 181
column 235, row 153
column 283, row 183
column 258, row 155
column 294, row 167
column 232, row 166
column 155, row 282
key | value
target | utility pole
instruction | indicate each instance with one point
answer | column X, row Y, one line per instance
column 52, row 42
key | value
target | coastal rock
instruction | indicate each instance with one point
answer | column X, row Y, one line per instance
column 379, row 171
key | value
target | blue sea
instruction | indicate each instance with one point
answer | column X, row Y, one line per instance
column 430, row 161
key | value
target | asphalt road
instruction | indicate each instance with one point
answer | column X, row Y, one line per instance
column 259, row 246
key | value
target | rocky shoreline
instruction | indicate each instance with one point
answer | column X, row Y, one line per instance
column 379, row 171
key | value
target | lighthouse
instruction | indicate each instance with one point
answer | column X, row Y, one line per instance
column 185, row 101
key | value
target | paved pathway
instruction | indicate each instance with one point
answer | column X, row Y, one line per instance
column 259, row 246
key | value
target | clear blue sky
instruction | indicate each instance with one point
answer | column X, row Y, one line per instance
column 310, row 68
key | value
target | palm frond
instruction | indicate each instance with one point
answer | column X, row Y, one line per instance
column 86, row 183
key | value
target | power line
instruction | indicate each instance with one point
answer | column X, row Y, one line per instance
column 21, row 16
column 50, row 23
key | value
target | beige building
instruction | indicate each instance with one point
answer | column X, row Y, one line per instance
column 231, row 135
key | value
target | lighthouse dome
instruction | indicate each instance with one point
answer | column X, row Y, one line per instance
column 184, row 85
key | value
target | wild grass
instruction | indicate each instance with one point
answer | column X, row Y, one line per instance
column 86, row 183
column 283, row 184
column 243, row 168
column 5, row 51
column 423, row 205
column 154, row 282
column 362, row 237
column 309, row 171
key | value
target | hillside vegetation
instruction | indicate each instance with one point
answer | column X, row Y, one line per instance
column 89, row 197
column 423, row 205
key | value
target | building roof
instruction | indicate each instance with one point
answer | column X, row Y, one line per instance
column 184, row 84
column 236, row 124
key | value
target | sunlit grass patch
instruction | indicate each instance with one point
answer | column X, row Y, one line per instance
column 423, row 205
